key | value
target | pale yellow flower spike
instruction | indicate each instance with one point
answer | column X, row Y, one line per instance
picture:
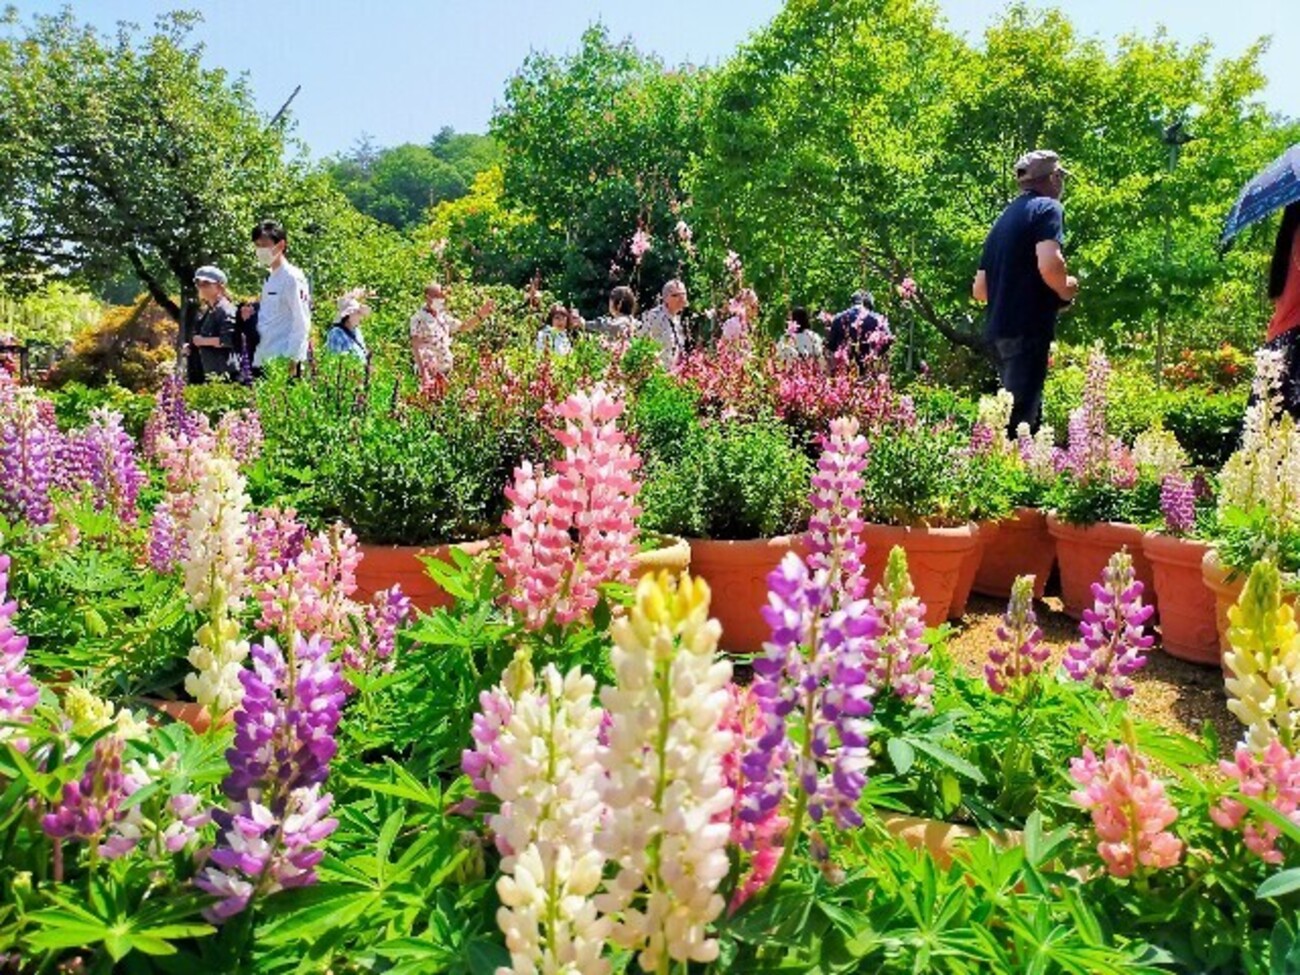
column 1264, row 662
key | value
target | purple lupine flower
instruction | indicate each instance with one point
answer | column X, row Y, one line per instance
column 1090, row 448
column 815, row 666
column 164, row 551
column 245, row 362
column 18, row 692
column 1178, row 504
column 1112, row 632
column 900, row 656
column 835, row 526
column 170, row 415
column 1020, row 652
column 387, row 611
column 112, row 470
column 30, row 445
column 982, row 438
column 241, row 431
column 89, row 806
column 284, row 741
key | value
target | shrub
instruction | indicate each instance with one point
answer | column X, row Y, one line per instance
column 132, row 346
column 913, row 477
column 732, row 481
column 1208, row 425
column 75, row 401
column 663, row 418
column 215, row 399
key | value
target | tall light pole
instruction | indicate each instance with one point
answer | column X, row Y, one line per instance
column 1175, row 136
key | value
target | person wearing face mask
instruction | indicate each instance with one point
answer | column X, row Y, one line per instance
column 344, row 337
column 284, row 313
column 214, row 335
column 432, row 328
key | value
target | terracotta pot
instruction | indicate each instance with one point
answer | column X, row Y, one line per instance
column 934, row 558
column 1022, row 547
column 1187, row 627
column 1226, row 586
column 383, row 565
column 736, row 572
column 190, row 712
column 672, row 554
column 943, row 840
column 1083, row 551
column 986, row 533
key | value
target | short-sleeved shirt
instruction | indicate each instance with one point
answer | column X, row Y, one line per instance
column 1021, row 305
column 861, row 333
column 431, row 334
column 799, row 346
column 665, row 330
column 284, row 316
column 218, row 322
column 553, row 341
column 344, row 342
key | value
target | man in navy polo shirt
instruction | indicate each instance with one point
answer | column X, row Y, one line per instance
column 1023, row 278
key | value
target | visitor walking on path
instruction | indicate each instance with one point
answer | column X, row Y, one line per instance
column 284, row 313
column 859, row 333
column 345, row 336
column 663, row 324
column 1023, row 278
column 215, row 333
column 432, row 328
column 1284, row 288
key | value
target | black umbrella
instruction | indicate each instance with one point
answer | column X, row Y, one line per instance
column 1276, row 187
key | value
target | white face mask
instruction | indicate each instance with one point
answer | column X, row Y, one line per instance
column 265, row 255
column 438, row 304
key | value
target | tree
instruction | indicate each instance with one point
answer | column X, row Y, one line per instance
column 123, row 154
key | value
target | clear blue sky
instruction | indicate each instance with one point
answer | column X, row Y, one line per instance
column 401, row 69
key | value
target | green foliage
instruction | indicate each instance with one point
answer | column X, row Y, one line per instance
column 731, row 481
column 74, row 402
column 663, row 417
column 909, row 478
column 214, row 398
column 1207, row 425
column 53, row 314
column 131, row 346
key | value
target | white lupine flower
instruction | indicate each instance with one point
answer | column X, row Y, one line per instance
column 1265, row 470
column 550, row 812
column 664, row 782
column 995, row 413
column 1157, row 452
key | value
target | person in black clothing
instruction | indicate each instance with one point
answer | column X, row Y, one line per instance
column 860, row 331
column 215, row 335
column 1022, row 277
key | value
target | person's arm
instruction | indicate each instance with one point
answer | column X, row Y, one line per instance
column 979, row 289
column 480, row 316
column 1051, row 267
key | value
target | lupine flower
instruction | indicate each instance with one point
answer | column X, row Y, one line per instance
column 1157, row 453
column 306, row 585
column 899, row 654
column 1263, row 681
column 1130, row 811
column 574, row 530
column 817, row 666
column 29, row 449
column 1177, row 504
column 760, row 833
column 90, row 805
column 734, row 265
column 1272, row 776
column 1020, row 652
column 550, row 811
column 993, row 421
column 284, row 741
column 18, row 693
column 377, row 639
column 1264, row 473
column 241, row 433
column 216, row 566
column 1112, row 638
column 663, row 782
column 907, row 289
column 110, row 468
column 835, row 526
column 170, row 415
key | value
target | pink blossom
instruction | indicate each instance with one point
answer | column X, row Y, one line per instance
column 1130, row 811
column 1272, row 777
column 642, row 243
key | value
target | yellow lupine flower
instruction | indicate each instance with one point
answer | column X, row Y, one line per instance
column 1264, row 662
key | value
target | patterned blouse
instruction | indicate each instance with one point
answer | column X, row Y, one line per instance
column 431, row 334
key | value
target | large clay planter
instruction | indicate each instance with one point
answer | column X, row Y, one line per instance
column 1022, row 547
column 943, row 840
column 383, row 565
column 671, row 554
column 191, row 713
column 1226, row 586
column 934, row 559
column 736, row 572
column 986, row 533
column 1082, row 551
column 1187, row 625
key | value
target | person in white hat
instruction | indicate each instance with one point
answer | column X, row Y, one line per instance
column 344, row 336
column 1023, row 278
column 214, row 335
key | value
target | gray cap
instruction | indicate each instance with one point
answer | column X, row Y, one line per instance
column 211, row 274
column 1037, row 164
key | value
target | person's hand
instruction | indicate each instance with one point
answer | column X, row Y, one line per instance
column 1071, row 287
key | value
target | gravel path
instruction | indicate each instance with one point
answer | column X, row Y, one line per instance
column 1178, row 695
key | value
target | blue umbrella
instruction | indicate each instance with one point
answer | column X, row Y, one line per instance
column 1274, row 188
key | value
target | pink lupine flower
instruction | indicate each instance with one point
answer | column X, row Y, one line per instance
column 907, row 289
column 18, row 693
column 1272, row 776
column 1130, row 811
column 899, row 652
column 572, row 531
column 835, row 526
column 642, row 243
column 1020, row 652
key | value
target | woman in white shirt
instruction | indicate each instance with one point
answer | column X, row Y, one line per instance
column 800, row 343
column 553, row 336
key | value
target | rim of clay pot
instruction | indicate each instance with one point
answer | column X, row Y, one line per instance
column 473, row 546
column 1056, row 526
column 1025, row 513
column 780, row 541
column 671, row 552
column 1160, row 546
column 958, row 538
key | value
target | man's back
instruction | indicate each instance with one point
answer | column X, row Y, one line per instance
column 1021, row 305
